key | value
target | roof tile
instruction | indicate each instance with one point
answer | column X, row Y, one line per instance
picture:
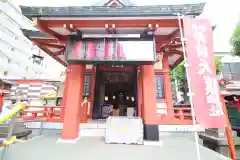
column 103, row 11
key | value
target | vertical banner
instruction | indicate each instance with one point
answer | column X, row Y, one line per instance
column 202, row 72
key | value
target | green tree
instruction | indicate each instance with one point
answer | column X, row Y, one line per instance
column 217, row 60
column 235, row 41
column 179, row 72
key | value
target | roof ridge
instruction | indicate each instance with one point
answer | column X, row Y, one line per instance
column 142, row 6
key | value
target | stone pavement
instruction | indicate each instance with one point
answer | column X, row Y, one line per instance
column 94, row 148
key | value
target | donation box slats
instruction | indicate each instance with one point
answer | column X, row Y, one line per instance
column 124, row 130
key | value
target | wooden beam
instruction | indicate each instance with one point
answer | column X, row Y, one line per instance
column 108, row 30
column 70, row 30
column 50, row 53
column 174, row 34
column 44, row 40
column 162, row 39
column 42, row 27
column 52, row 45
column 178, row 61
column 59, row 52
column 118, row 23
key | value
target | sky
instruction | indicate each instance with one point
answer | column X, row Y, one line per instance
column 223, row 13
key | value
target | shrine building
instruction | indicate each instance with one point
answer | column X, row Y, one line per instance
column 118, row 55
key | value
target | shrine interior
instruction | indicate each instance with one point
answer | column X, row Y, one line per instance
column 115, row 93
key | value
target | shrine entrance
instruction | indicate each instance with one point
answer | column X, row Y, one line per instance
column 115, row 91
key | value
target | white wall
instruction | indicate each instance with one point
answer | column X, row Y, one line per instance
column 16, row 50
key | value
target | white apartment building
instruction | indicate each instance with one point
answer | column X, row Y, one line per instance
column 17, row 51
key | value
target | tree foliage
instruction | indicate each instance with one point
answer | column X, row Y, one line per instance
column 235, row 41
column 179, row 72
column 218, row 64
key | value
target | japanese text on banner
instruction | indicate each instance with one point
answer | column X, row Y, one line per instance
column 206, row 72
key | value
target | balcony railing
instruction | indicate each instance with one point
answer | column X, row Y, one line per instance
column 229, row 76
column 44, row 113
column 177, row 116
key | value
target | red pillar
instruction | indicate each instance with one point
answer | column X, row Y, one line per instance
column 150, row 118
column 167, row 86
column 228, row 131
column 92, row 91
column 66, row 81
column 149, row 94
column 1, row 102
column 140, row 102
column 73, row 102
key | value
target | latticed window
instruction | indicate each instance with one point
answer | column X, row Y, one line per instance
column 159, row 86
column 87, row 85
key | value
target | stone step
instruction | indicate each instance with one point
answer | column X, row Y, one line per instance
column 97, row 129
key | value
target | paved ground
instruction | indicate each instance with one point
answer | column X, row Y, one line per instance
column 46, row 148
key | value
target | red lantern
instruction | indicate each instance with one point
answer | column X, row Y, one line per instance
column 107, row 51
column 120, row 52
column 91, row 50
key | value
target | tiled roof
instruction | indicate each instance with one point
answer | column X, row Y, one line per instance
column 103, row 11
column 31, row 33
column 124, row 2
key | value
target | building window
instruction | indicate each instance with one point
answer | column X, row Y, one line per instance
column 230, row 68
column 230, row 71
column 87, row 85
column 37, row 59
column 5, row 73
column 9, row 60
column 159, row 86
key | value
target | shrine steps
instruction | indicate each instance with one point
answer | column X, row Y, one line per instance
column 96, row 128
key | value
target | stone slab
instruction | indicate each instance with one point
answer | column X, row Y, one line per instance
column 92, row 148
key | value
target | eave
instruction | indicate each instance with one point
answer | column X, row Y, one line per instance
column 103, row 11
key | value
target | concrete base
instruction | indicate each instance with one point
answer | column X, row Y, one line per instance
column 151, row 143
column 215, row 140
column 94, row 148
column 151, row 132
column 60, row 140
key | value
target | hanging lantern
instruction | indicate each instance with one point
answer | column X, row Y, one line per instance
column 91, row 52
column 120, row 52
column 37, row 59
column 78, row 49
column 106, row 98
column 133, row 99
column 108, row 50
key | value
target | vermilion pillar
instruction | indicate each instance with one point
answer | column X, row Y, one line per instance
column 74, row 99
column 149, row 102
column 63, row 103
column 139, row 89
column 167, row 86
column 1, row 102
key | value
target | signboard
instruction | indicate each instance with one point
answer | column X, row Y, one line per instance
column 202, row 72
column 112, row 50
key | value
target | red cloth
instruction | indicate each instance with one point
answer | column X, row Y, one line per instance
column 1, row 102
column 237, row 102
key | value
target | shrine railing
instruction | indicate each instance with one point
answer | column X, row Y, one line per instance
column 44, row 113
column 177, row 116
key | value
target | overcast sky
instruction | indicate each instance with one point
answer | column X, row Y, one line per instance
column 223, row 13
